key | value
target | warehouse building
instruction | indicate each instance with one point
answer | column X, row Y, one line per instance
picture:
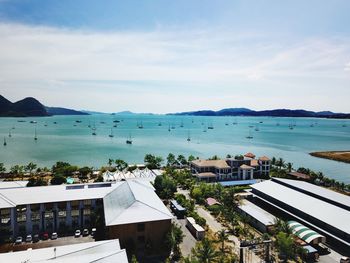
column 319, row 209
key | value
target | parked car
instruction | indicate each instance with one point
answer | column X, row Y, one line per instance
column 77, row 233
column 323, row 249
column 29, row 238
column 85, row 232
column 45, row 236
column 36, row 238
column 18, row 240
column 54, row 235
column 344, row 260
column 93, row 232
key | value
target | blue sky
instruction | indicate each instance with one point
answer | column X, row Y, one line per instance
column 164, row 56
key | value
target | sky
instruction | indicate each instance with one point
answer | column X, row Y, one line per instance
column 173, row 56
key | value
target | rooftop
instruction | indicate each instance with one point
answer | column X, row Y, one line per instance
column 326, row 194
column 323, row 211
column 250, row 155
column 207, row 174
column 221, row 164
column 299, row 175
column 246, row 167
column 101, row 251
column 12, row 184
column 258, row 213
column 264, row 158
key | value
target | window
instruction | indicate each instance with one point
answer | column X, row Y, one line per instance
column 75, row 212
column 62, row 213
column 87, row 202
column 35, row 207
column 6, row 211
column 35, row 216
column 140, row 227
column 21, row 218
column 21, row 209
column 86, row 212
column 48, row 215
column 75, row 203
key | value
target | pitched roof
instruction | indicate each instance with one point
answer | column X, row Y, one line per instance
column 249, row 155
column 221, row 164
column 133, row 202
column 206, row 174
column 101, row 251
column 264, row 158
column 246, row 167
column 254, row 162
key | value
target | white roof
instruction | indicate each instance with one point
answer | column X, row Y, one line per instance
column 258, row 213
column 326, row 212
column 101, row 251
column 134, row 201
column 53, row 193
column 12, row 184
column 317, row 190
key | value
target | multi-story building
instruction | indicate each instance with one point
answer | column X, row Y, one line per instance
column 132, row 211
column 240, row 168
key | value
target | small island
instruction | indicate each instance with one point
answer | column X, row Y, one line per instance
column 340, row 156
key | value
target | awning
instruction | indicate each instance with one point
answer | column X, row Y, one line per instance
column 305, row 233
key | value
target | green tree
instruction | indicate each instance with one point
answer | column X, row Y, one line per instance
column 165, row 186
column 110, row 162
column 134, row 259
column 58, row 179
column 289, row 167
column 16, row 169
column 191, row 158
column 2, row 168
column 285, row 244
column 171, row 160
column 36, row 182
column 182, row 160
column 99, row 179
column 152, row 161
column 121, row 164
column 222, row 237
column 84, row 172
column 280, row 163
column 205, row 251
column 173, row 239
column 30, row 167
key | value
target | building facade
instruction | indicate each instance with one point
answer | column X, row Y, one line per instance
column 240, row 168
column 131, row 210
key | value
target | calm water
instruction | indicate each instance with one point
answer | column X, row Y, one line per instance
column 76, row 144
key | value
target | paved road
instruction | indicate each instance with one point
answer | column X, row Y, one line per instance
column 189, row 241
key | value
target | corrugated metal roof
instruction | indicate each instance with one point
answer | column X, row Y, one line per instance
column 323, row 211
column 258, row 213
column 101, row 251
column 317, row 190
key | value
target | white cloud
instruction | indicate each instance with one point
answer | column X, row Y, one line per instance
column 163, row 64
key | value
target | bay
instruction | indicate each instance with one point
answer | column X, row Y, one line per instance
column 72, row 141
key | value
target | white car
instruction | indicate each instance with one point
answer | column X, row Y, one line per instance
column 18, row 240
column 77, row 233
column 29, row 238
column 54, row 235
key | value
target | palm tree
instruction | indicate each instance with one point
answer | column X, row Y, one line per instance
column 289, row 167
column 273, row 161
column 2, row 168
column 222, row 237
column 30, row 167
column 205, row 251
column 110, row 161
column 280, row 163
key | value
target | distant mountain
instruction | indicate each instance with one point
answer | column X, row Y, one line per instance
column 270, row 113
column 23, row 108
column 64, row 111
column 92, row 112
column 31, row 107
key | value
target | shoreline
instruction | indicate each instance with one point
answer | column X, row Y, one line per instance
column 339, row 156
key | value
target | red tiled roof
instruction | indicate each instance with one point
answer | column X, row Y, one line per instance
column 264, row 158
column 250, row 155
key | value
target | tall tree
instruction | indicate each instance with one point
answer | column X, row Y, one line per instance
column 2, row 168
column 205, row 251
column 222, row 237
column 171, row 159
column 30, row 167
column 173, row 239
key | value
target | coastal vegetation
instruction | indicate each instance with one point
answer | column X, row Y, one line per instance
column 340, row 156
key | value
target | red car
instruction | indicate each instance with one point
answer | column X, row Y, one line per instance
column 45, row 236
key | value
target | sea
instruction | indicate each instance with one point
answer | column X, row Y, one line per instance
column 71, row 139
